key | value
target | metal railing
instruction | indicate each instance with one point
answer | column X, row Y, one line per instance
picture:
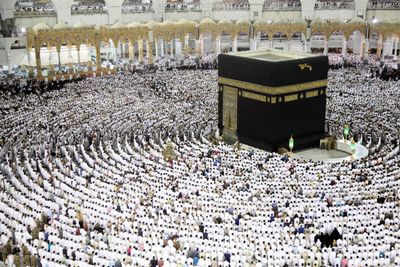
column 377, row 5
column 182, row 7
column 137, row 9
column 267, row 7
column 334, row 5
column 89, row 11
column 226, row 6
column 32, row 14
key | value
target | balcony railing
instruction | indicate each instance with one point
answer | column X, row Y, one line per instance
column 32, row 14
column 226, row 6
column 376, row 5
column 334, row 5
column 281, row 7
column 89, row 11
column 182, row 7
column 137, row 9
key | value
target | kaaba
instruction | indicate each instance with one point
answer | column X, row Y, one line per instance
column 266, row 97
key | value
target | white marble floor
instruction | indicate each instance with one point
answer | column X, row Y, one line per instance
column 331, row 156
column 316, row 154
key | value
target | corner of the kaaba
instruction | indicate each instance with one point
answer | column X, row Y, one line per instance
column 268, row 102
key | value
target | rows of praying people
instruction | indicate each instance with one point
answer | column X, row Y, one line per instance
column 34, row 6
column 128, row 170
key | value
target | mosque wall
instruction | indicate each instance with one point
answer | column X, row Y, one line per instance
column 175, row 16
column 342, row 14
column 9, row 55
column 231, row 15
column 354, row 42
column 103, row 19
column 281, row 15
column 139, row 17
column 28, row 22
column 388, row 47
column 94, row 19
column 11, row 58
column 390, row 15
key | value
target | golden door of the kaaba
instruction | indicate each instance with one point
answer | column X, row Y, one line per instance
column 230, row 99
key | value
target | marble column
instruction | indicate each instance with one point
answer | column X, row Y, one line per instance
column 30, row 67
column 122, row 49
column 70, row 60
column 109, row 51
column 89, row 52
column 362, row 47
column 162, row 48
column 358, row 43
column 257, row 40
column 51, row 67
column 9, row 63
column 198, row 48
column 38, row 62
column 344, row 46
column 140, row 46
column 98, row 60
column 149, row 49
column 326, row 46
column 379, row 47
column 50, row 51
column 131, row 51
column 186, row 45
column 78, row 49
column 253, row 44
column 156, row 48
column 218, row 45
column 235, row 43
column 89, row 62
column 172, row 48
column 201, row 45
column 116, row 52
column 366, row 48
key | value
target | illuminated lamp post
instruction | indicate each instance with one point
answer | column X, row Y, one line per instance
column 291, row 143
column 346, row 131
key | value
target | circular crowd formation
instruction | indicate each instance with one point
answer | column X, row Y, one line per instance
column 124, row 170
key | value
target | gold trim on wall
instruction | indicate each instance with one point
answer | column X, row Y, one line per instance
column 254, row 96
column 273, row 90
column 273, row 100
column 311, row 94
column 289, row 98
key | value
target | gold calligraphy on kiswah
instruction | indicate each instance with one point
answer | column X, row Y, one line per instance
column 305, row 66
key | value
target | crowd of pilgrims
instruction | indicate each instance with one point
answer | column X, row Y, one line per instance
column 128, row 170
column 385, row 69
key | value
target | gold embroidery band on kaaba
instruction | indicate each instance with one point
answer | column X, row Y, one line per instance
column 278, row 90
column 285, row 98
column 254, row 96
